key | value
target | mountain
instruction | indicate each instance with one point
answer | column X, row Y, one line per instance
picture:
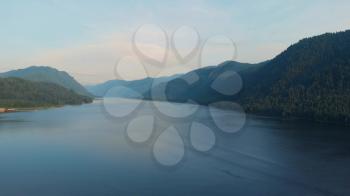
column 309, row 80
column 126, row 89
column 16, row 92
column 48, row 74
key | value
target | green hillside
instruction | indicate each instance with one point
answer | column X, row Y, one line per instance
column 17, row 93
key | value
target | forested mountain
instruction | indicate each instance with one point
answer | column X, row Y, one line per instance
column 16, row 92
column 310, row 80
column 48, row 74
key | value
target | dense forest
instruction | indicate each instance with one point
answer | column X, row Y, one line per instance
column 19, row 93
column 311, row 79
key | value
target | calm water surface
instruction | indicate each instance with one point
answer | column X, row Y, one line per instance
column 82, row 150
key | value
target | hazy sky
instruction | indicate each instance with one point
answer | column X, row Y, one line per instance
column 86, row 38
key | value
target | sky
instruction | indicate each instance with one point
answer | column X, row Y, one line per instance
column 93, row 39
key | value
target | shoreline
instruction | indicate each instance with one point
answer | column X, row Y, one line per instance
column 13, row 110
column 253, row 114
column 257, row 114
column 30, row 109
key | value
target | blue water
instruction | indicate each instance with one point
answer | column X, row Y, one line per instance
column 83, row 150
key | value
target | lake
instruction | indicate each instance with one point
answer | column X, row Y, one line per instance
column 87, row 150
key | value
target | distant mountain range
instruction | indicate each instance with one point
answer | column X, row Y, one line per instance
column 48, row 74
column 127, row 89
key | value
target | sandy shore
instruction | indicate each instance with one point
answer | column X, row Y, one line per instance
column 3, row 110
